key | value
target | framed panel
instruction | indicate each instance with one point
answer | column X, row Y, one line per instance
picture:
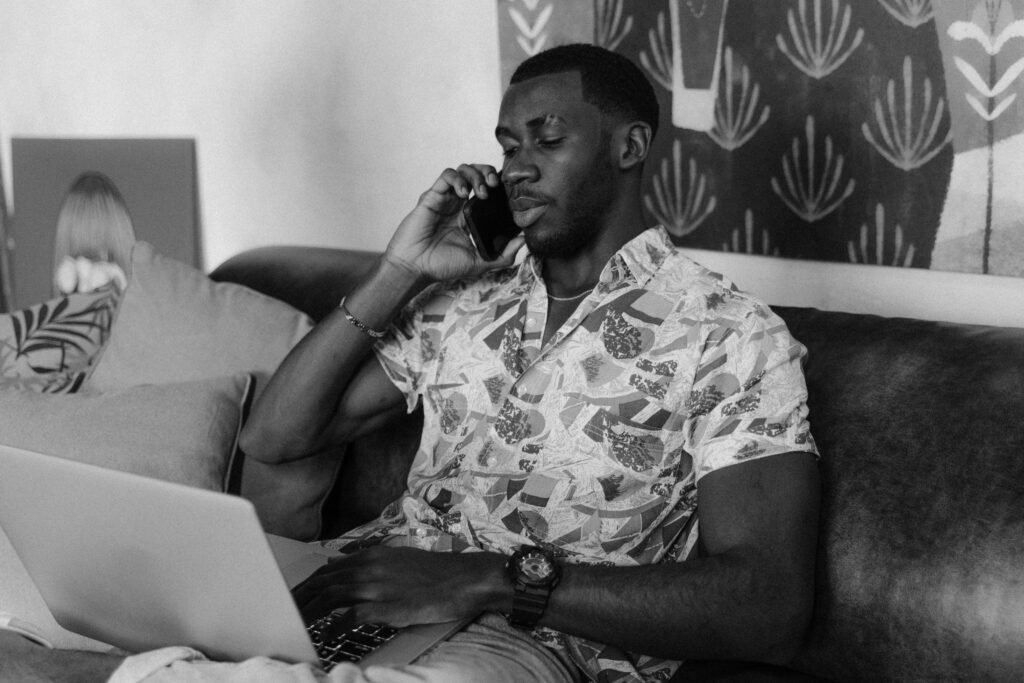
column 157, row 178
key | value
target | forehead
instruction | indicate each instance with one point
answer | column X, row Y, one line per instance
column 544, row 99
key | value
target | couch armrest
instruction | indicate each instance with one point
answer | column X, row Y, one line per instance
column 312, row 279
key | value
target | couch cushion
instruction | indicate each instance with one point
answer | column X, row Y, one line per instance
column 185, row 432
column 49, row 347
column 174, row 324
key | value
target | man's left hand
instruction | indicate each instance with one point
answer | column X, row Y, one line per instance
column 404, row 586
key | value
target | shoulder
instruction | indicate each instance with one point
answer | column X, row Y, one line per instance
column 717, row 313
column 463, row 296
column 707, row 296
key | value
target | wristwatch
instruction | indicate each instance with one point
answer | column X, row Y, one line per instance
column 534, row 574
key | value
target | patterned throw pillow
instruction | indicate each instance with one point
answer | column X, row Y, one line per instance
column 49, row 347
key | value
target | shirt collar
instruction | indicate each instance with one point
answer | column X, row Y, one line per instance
column 635, row 262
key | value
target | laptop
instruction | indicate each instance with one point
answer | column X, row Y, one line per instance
column 141, row 563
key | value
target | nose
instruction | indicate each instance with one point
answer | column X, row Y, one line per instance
column 517, row 170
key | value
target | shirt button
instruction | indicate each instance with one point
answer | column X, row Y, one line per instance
column 492, row 461
column 531, row 321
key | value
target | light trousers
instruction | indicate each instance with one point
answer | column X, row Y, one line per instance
column 488, row 650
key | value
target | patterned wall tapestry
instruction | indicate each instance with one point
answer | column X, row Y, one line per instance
column 885, row 132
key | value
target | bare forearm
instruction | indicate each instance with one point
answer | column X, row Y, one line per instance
column 291, row 417
column 727, row 606
column 721, row 607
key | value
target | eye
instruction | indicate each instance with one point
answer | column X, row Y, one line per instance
column 508, row 151
column 550, row 143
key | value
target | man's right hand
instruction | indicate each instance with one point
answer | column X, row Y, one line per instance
column 431, row 242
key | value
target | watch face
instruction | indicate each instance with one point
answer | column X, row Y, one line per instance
column 535, row 568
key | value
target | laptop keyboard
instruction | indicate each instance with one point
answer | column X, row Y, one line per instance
column 349, row 646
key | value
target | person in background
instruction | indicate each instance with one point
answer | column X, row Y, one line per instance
column 94, row 237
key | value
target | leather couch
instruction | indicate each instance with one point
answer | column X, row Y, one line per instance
column 921, row 428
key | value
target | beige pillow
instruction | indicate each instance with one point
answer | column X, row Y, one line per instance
column 174, row 324
column 184, row 432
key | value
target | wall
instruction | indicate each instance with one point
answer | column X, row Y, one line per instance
column 320, row 122
column 317, row 121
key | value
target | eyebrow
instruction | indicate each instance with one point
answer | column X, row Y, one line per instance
column 535, row 122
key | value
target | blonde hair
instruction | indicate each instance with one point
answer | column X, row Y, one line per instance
column 94, row 223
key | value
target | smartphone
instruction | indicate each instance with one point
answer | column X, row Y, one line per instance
column 489, row 222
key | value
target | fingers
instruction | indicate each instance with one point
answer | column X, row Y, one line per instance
column 469, row 178
column 327, row 588
column 321, row 604
column 454, row 186
column 342, row 582
column 346, row 612
column 342, row 620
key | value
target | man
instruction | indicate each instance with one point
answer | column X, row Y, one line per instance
column 579, row 408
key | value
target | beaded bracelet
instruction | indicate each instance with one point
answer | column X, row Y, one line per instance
column 357, row 323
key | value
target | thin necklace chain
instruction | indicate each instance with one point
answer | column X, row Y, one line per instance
column 536, row 277
column 570, row 298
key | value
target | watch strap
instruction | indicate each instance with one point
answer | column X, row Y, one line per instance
column 528, row 605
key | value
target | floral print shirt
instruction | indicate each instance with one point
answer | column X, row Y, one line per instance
column 594, row 444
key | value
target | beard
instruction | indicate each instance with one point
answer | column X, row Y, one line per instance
column 586, row 205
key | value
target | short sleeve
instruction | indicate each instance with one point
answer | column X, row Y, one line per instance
column 410, row 349
column 749, row 398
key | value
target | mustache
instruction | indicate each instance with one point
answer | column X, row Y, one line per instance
column 519, row 193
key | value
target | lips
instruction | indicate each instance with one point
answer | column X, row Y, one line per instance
column 526, row 210
column 524, row 202
column 525, row 219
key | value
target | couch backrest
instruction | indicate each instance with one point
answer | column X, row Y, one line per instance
column 921, row 564
column 921, row 429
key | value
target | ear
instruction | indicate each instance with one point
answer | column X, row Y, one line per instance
column 635, row 145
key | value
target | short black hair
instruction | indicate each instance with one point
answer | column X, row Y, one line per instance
column 611, row 82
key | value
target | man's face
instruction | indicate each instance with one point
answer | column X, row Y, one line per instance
column 558, row 166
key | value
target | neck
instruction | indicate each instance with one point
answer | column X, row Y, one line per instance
column 568, row 276
column 586, row 289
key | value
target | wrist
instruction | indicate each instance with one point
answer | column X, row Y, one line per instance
column 400, row 272
column 492, row 585
column 382, row 294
